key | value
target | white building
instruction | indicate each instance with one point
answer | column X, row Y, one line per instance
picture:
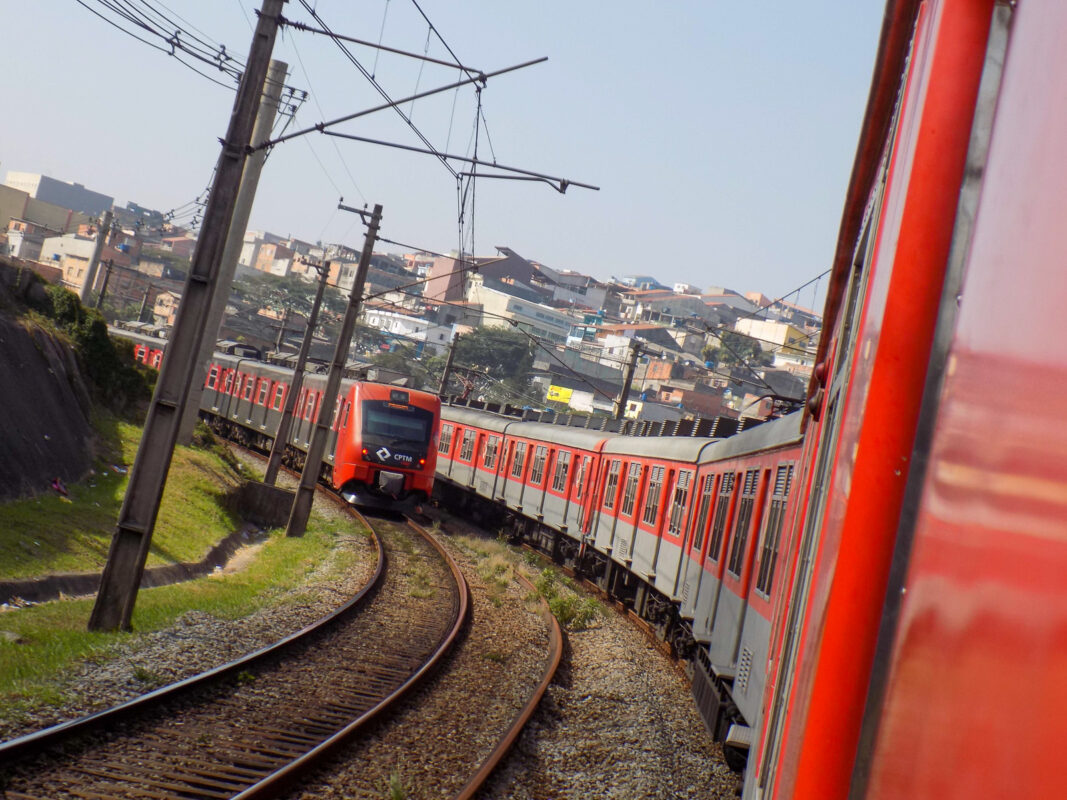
column 535, row 318
column 406, row 326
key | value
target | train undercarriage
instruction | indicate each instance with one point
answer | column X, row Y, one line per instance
column 648, row 607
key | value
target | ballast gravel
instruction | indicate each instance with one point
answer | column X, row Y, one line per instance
column 618, row 722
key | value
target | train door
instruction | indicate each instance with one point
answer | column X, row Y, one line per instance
column 516, row 466
column 606, row 505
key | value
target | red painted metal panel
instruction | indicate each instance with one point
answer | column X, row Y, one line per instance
column 978, row 686
column 882, row 406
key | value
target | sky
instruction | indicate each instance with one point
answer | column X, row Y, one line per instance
column 721, row 134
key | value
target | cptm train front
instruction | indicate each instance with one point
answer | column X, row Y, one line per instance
column 386, row 445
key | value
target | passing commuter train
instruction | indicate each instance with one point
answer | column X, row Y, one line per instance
column 871, row 592
column 874, row 588
column 382, row 445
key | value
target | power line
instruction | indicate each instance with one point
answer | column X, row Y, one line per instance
column 375, row 84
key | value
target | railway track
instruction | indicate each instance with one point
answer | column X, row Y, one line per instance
column 254, row 727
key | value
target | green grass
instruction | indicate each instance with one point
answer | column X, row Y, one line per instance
column 46, row 535
column 50, row 534
column 54, row 636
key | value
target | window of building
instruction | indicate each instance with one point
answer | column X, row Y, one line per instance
column 537, row 469
column 518, row 459
column 744, row 518
column 611, row 484
column 722, row 509
column 466, row 449
column 772, row 532
column 630, row 493
column 444, row 444
column 652, row 494
column 679, row 502
column 559, row 478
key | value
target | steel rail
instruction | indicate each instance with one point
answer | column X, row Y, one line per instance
column 503, row 747
column 48, row 738
column 276, row 784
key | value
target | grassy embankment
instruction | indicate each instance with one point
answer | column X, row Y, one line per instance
column 48, row 534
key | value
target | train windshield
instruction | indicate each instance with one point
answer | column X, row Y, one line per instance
column 397, row 423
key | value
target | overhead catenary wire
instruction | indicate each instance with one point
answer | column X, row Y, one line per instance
column 363, row 70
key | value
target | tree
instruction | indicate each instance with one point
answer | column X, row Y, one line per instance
column 739, row 349
column 498, row 361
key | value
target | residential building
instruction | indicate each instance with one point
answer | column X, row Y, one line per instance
column 406, row 327
column 67, row 195
column 503, row 304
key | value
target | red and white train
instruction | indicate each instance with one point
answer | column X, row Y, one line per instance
column 874, row 588
column 871, row 592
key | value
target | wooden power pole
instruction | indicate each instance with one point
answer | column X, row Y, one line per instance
column 137, row 518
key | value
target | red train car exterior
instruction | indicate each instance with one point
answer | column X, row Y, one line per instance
column 921, row 653
column 387, row 440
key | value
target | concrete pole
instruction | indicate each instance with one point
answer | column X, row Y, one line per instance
column 140, row 507
column 448, row 366
column 285, row 424
column 94, row 262
column 108, row 266
column 305, row 493
column 272, row 92
column 628, row 379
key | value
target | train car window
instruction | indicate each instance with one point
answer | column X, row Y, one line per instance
column 466, row 450
column 279, row 393
column 212, row 376
column 157, row 358
column 445, row 443
column 630, row 492
column 707, row 483
column 744, row 517
column 489, row 461
column 679, row 502
column 722, row 508
column 579, row 477
column 773, row 531
column 227, row 382
column 563, row 463
column 238, row 384
column 518, row 459
column 611, row 484
column 264, row 391
column 652, row 495
column 309, row 406
column 250, row 387
column 537, row 470
column 347, row 408
column 398, row 424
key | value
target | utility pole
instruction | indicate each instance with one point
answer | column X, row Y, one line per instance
column 137, row 518
column 620, row 404
column 305, row 493
column 272, row 92
column 144, row 303
column 90, row 273
column 281, row 330
column 448, row 365
column 108, row 265
column 281, row 436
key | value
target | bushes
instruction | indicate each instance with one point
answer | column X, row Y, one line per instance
column 110, row 371
column 573, row 611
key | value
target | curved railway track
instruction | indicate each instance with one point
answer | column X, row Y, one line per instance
column 253, row 727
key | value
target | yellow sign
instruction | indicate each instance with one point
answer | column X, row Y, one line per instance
column 559, row 394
